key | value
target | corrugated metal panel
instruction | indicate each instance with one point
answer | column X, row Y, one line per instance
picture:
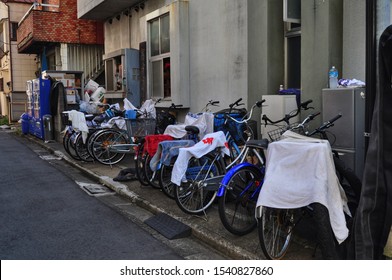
column 86, row 58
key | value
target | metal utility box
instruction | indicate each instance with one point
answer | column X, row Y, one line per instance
column 350, row 128
column 122, row 75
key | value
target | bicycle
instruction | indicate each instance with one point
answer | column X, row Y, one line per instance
column 164, row 167
column 203, row 174
column 142, row 161
column 111, row 145
column 276, row 226
column 239, row 188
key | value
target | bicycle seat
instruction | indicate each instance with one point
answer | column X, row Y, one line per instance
column 262, row 143
column 89, row 117
column 192, row 129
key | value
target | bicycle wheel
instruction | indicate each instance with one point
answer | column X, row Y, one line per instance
column 238, row 203
column 70, row 145
column 66, row 137
column 192, row 197
column 81, row 149
column 139, row 164
column 275, row 228
column 90, row 140
column 102, row 143
column 151, row 177
column 167, row 186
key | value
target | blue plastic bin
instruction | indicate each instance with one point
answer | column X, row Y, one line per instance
column 25, row 123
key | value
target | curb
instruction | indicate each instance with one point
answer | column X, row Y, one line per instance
column 201, row 233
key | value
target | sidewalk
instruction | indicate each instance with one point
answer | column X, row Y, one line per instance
column 208, row 228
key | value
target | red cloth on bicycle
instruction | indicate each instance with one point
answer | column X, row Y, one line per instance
column 152, row 141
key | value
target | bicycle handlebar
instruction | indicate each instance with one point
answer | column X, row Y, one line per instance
column 257, row 104
column 292, row 114
column 174, row 106
column 305, row 104
column 237, row 103
column 325, row 125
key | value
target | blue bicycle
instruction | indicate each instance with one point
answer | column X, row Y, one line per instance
column 204, row 174
column 241, row 185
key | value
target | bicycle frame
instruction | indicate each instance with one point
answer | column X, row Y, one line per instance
column 233, row 170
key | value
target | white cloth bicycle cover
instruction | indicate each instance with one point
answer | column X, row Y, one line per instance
column 210, row 142
column 205, row 123
column 78, row 120
column 300, row 171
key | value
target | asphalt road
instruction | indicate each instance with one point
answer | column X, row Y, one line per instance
column 45, row 215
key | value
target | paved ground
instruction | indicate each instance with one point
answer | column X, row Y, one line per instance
column 207, row 228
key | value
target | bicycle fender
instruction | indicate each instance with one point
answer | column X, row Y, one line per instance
column 230, row 173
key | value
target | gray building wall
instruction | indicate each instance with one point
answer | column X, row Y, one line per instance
column 236, row 48
column 321, row 45
column 354, row 38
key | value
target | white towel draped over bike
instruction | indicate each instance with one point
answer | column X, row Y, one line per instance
column 78, row 120
column 204, row 121
column 300, row 171
column 210, row 142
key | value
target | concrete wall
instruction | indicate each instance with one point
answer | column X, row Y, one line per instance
column 218, row 52
column 237, row 47
column 321, row 45
column 354, row 38
column 265, row 49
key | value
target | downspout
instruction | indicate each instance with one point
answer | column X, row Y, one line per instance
column 371, row 63
column 11, row 81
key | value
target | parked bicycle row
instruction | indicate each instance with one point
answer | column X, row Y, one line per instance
column 216, row 157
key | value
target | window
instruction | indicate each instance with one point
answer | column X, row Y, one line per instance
column 1, row 84
column 293, row 55
column 292, row 19
column 159, row 36
column 14, row 28
column 292, row 11
column 167, row 63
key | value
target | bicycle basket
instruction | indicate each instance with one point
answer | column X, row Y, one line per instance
column 140, row 127
column 276, row 134
column 236, row 130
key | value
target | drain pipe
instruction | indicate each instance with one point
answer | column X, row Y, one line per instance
column 10, row 83
column 371, row 63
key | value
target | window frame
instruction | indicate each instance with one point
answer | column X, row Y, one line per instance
column 13, row 31
column 179, row 52
column 160, row 57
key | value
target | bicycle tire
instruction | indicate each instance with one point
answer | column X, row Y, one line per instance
column 167, row 186
column 139, row 166
column 81, row 149
column 90, row 140
column 275, row 230
column 66, row 136
column 149, row 174
column 102, row 143
column 238, row 203
column 71, row 148
column 191, row 197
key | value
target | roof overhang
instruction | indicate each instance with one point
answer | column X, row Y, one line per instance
column 103, row 9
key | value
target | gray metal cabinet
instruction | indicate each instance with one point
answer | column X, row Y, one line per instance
column 349, row 129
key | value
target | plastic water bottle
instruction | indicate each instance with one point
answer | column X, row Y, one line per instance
column 333, row 77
